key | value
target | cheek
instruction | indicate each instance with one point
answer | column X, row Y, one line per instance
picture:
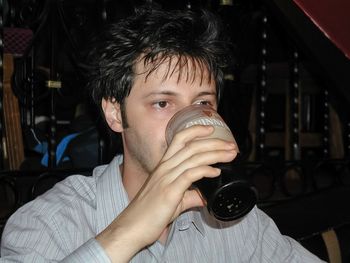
column 149, row 125
column 157, row 140
column 156, row 133
column 153, row 131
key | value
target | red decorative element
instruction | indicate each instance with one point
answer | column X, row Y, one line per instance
column 332, row 18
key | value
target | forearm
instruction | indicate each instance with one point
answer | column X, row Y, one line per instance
column 91, row 251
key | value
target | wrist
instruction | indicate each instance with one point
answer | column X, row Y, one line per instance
column 119, row 244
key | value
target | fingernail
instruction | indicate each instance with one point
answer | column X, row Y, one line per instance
column 218, row 170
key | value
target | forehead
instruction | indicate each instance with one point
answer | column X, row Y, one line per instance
column 180, row 68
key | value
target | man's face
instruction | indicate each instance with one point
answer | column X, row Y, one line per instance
column 153, row 100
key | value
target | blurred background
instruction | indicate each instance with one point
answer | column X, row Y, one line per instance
column 286, row 100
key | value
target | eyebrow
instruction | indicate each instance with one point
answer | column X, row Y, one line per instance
column 206, row 93
column 171, row 93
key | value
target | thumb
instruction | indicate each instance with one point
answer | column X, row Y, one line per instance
column 193, row 198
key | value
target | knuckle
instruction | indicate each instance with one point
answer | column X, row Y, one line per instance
column 189, row 176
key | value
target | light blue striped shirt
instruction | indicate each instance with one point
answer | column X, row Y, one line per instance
column 60, row 226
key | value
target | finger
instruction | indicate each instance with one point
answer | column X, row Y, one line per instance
column 181, row 138
column 202, row 159
column 201, row 146
column 188, row 177
column 192, row 198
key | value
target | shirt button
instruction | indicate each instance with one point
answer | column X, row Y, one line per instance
column 182, row 225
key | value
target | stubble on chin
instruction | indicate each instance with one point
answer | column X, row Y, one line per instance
column 146, row 160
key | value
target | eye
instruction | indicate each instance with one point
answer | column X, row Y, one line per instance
column 161, row 104
column 205, row 102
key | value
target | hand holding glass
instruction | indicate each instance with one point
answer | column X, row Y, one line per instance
column 229, row 196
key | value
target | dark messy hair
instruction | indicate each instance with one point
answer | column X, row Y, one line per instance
column 155, row 37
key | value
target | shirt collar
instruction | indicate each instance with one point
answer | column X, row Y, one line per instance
column 186, row 219
column 111, row 194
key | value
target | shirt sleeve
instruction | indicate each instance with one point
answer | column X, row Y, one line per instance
column 91, row 251
column 30, row 237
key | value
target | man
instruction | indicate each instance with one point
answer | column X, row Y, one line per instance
column 141, row 207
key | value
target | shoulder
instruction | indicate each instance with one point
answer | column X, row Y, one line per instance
column 77, row 193
column 62, row 196
column 60, row 220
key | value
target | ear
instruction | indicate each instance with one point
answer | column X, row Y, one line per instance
column 112, row 114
